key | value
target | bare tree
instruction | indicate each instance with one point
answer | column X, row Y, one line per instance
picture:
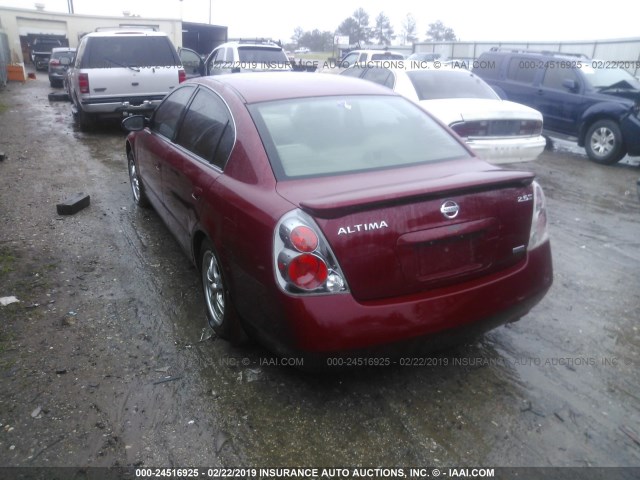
column 298, row 32
column 409, row 29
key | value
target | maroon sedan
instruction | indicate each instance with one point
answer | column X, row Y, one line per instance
column 331, row 216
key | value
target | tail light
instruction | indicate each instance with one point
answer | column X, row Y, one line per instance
column 472, row 129
column 539, row 232
column 182, row 75
column 530, row 127
column 304, row 262
column 83, row 82
column 54, row 61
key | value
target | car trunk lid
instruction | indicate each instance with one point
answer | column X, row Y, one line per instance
column 450, row 223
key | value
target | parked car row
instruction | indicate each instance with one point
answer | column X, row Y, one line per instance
column 328, row 215
column 497, row 130
column 580, row 98
column 338, row 216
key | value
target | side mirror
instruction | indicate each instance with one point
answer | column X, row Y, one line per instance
column 134, row 123
column 570, row 85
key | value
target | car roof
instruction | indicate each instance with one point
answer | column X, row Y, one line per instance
column 255, row 87
column 390, row 52
column 126, row 32
column 251, row 43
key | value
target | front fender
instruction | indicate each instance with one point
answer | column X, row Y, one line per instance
column 602, row 110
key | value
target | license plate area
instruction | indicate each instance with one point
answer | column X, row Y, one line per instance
column 444, row 254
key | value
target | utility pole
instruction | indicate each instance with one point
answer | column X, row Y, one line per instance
column 70, row 4
column 210, row 1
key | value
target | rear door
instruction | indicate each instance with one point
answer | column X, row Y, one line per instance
column 202, row 147
column 560, row 106
column 155, row 145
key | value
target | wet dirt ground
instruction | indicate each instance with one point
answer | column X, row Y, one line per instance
column 105, row 360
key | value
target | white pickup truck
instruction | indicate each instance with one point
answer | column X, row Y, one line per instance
column 122, row 71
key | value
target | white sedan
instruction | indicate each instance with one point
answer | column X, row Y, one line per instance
column 497, row 130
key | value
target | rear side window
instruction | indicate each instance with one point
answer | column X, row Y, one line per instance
column 522, row 70
column 379, row 75
column 130, row 51
column 166, row 116
column 207, row 129
column 488, row 66
column 555, row 75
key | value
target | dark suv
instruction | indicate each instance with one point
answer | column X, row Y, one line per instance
column 590, row 101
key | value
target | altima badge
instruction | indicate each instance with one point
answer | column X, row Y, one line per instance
column 450, row 209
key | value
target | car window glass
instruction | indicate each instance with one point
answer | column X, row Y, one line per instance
column 378, row 75
column 607, row 77
column 207, row 129
column 521, row 70
column 256, row 54
column 138, row 51
column 352, row 72
column 339, row 135
column 217, row 57
column 437, row 84
column 350, row 59
column 228, row 55
column 166, row 116
column 554, row 76
column 190, row 59
column 386, row 56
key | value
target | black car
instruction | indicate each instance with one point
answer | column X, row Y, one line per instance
column 580, row 98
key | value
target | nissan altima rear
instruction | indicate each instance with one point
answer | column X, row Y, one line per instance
column 329, row 216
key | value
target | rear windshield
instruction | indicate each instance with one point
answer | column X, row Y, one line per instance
column 386, row 56
column 449, row 84
column 139, row 51
column 324, row 136
column 68, row 55
column 274, row 55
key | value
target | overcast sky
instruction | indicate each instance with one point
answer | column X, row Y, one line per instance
column 484, row 20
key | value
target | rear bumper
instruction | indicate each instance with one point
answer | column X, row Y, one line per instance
column 57, row 75
column 339, row 325
column 121, row 105
column 508, row 150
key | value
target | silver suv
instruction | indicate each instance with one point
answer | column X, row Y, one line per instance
column 246, row 55
column 117, row 72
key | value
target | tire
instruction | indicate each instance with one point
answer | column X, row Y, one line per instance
column 221, row 314
column 548, row 143
column 137, row 189
column 604, row 143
